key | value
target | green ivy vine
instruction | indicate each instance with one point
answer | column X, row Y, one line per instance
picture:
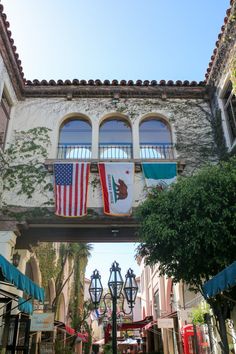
column 233, row 74
column 46, row 256
column 22, row 163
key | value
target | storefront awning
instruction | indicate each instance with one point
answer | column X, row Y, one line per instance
column 72, row 332
column 224, row 280
column 25, row 306
column 21, row 281
column 125, row 326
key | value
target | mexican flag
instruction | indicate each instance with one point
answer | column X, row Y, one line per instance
column 117, row 180
column 159, row 174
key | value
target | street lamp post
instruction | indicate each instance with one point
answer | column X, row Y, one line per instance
column 115, row 284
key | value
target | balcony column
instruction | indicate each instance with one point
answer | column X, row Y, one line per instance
column 95, row 140
column 24, row 258
column 135, row 137
column 7, row 243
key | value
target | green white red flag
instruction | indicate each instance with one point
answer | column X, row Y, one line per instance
column 159, row 174
column 117, row 180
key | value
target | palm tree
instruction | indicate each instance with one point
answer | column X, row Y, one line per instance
column 66, row 252
column 82, row 253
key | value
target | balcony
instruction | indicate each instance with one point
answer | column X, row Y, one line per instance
column 74, row 151
column 115, row 151
column 164, row 151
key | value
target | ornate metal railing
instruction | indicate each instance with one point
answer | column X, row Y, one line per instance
column 115, row 151
column 157, row 151
column 112, row 151
column 74, row 151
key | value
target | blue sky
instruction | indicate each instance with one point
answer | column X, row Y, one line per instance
column 104, row 254
column 107, row 39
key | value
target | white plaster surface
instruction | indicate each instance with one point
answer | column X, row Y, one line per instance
column 189, row 124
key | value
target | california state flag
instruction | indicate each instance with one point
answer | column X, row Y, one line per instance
column 117, row 179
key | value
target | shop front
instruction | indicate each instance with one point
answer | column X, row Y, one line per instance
column 15, row 310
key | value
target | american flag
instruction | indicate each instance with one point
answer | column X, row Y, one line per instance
column 71, row 187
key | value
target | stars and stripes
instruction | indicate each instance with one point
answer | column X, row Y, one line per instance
column 71, row 187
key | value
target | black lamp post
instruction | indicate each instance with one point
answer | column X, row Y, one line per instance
column 115, row 285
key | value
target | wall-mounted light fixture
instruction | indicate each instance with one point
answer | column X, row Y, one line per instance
column 115, row 98
column 16, row 259
column 115, row 232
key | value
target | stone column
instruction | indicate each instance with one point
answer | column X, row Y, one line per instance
column 7, row 243
column 135, row 136
column 95, row 140
column 24, row 257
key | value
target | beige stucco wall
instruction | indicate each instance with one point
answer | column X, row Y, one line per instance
column 190, row 127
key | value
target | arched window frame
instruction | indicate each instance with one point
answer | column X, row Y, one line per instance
column 227, row 103
column 75, row 150
column 114, row 150
column 156, row 150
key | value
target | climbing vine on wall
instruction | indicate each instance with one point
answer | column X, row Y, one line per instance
column 232, row 21
column 233, row 74
column 22, row 164
column 46, row 256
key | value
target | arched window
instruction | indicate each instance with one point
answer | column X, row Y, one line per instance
column 229, row 102
column 75, row 139
column 155, row 139
column 115, row 139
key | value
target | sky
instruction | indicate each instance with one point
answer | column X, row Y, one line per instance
column 107, row 39
column 104, row 254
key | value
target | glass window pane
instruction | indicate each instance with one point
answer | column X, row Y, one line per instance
column 116, row 132
column 76, row 132
column 5, row 108
column 154, row 131
column 115, row 139
column 230, row 108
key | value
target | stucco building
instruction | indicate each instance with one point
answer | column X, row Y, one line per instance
column 189, row 123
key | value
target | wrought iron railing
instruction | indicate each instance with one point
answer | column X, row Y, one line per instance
column 74, row 151
column 115, row 151
column 157, row 151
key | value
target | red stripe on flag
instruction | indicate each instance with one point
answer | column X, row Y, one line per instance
column 64, row 201
column 70, row 199
column 59, row 200
column 104, row 188
column 56, row 199
column 76, row 188
column 86, row 187
column 81, row 188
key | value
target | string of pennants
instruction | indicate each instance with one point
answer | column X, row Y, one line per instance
column 117, row 182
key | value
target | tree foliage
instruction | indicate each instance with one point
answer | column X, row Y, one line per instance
column 189, row 230
column 198, row 314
